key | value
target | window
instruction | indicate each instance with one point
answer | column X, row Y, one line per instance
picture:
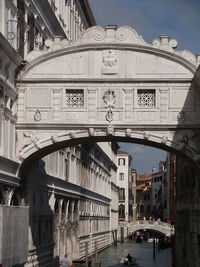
column 121, row 194
column 74, row 98
column 146, row 98
column 121, row 162
column 121, row 176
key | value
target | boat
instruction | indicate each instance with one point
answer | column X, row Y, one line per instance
column 125, row 261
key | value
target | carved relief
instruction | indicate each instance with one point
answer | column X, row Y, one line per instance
column 37, row 116
column 109, row 98
column 146, row 135
column 54, row 138
column 128, row 132
column 110, row 130
column 72, row 134
column 181, row 116
column 190, row 139
column 109, row 115
column 110, row 62
column 164, row 139
column 91, row 131
column 31, row 138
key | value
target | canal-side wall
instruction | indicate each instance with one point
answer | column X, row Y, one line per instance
column 187, row 246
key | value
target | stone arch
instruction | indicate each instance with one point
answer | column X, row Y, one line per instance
column 47, row 145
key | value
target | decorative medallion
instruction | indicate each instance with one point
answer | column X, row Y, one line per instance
column 146, row 135
column 109, row 98
column 37, row 116
column 110, row 62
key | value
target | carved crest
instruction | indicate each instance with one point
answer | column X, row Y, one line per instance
column 109, row 98
column 110, row 62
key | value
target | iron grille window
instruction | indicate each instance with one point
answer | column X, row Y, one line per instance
column 74, row 98
column 146, row 98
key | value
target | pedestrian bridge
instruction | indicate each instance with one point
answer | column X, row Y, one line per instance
column 162, row 227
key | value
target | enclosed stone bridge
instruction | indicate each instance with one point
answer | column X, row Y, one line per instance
column 161, row 227
column 110, row 85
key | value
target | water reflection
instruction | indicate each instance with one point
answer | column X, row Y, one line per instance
column 142, row 252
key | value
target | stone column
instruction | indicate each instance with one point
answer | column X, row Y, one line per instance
column 92, row 107
column 56, row 104
column 163, row 104
column 128, row 104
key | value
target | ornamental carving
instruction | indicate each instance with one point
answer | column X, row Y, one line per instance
column 109, row 115
column 110, row 130
column 190, row 139
column 128, row 132
column 181, row 116
column 37, row 116
column 110, row 62
column 91, row 131
column 109, row 98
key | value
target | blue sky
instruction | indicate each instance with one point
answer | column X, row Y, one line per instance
column 150, row 18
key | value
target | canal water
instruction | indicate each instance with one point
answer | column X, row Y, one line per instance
column 143, row 252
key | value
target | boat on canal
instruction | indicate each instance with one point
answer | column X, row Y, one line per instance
column 127, row 261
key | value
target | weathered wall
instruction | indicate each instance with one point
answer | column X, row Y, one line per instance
column 187, row 216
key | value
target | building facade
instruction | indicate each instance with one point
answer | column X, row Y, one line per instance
column 144, row 196
column 124, row 183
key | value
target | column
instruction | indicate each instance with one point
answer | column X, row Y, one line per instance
column 128, row 104
column 163, row 104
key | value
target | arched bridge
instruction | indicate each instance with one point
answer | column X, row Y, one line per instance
column 162, row 227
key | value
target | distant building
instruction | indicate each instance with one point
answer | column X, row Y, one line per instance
column 134, row 181
column 124, row 162
column 157, row 190
column 169, row 185
column 144, row 196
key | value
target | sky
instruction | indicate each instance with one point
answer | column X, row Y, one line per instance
column 150, row 18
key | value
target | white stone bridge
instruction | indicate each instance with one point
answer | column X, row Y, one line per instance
column 161, row 227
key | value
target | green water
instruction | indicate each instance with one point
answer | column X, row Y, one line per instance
column 143, row 253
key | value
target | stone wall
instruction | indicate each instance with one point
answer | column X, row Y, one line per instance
column 187, row 248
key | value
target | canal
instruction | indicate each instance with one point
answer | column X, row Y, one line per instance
column 143, row 253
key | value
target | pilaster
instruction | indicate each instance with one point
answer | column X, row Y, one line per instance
column 128, row 104
column 56, row 104
column 92, row 106
column 163, row 104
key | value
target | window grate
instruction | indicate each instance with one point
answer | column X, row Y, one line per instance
column 74, row 98
column 146, row 98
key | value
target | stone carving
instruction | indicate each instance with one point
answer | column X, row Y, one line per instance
column 181, row 116
column 129, row 35
column 72, row 135
column 57, row 43
column 54, row 138
column 32, row 139
column 146, row 135
column 91, row 131
column 109, row 98
column 110, row 130
column 128, row 132
column 37, row 116
column 164, row 139
column 110, row 62
column 93, row 35
column 165, row 43
column 109, row 115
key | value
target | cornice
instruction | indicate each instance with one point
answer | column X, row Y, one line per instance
column 12, row 54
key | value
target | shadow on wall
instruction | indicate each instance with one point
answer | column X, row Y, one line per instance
column 188, row 183
column 40, row 216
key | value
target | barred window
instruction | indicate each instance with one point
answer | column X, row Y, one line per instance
column 146, row 98
column 74, row 98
